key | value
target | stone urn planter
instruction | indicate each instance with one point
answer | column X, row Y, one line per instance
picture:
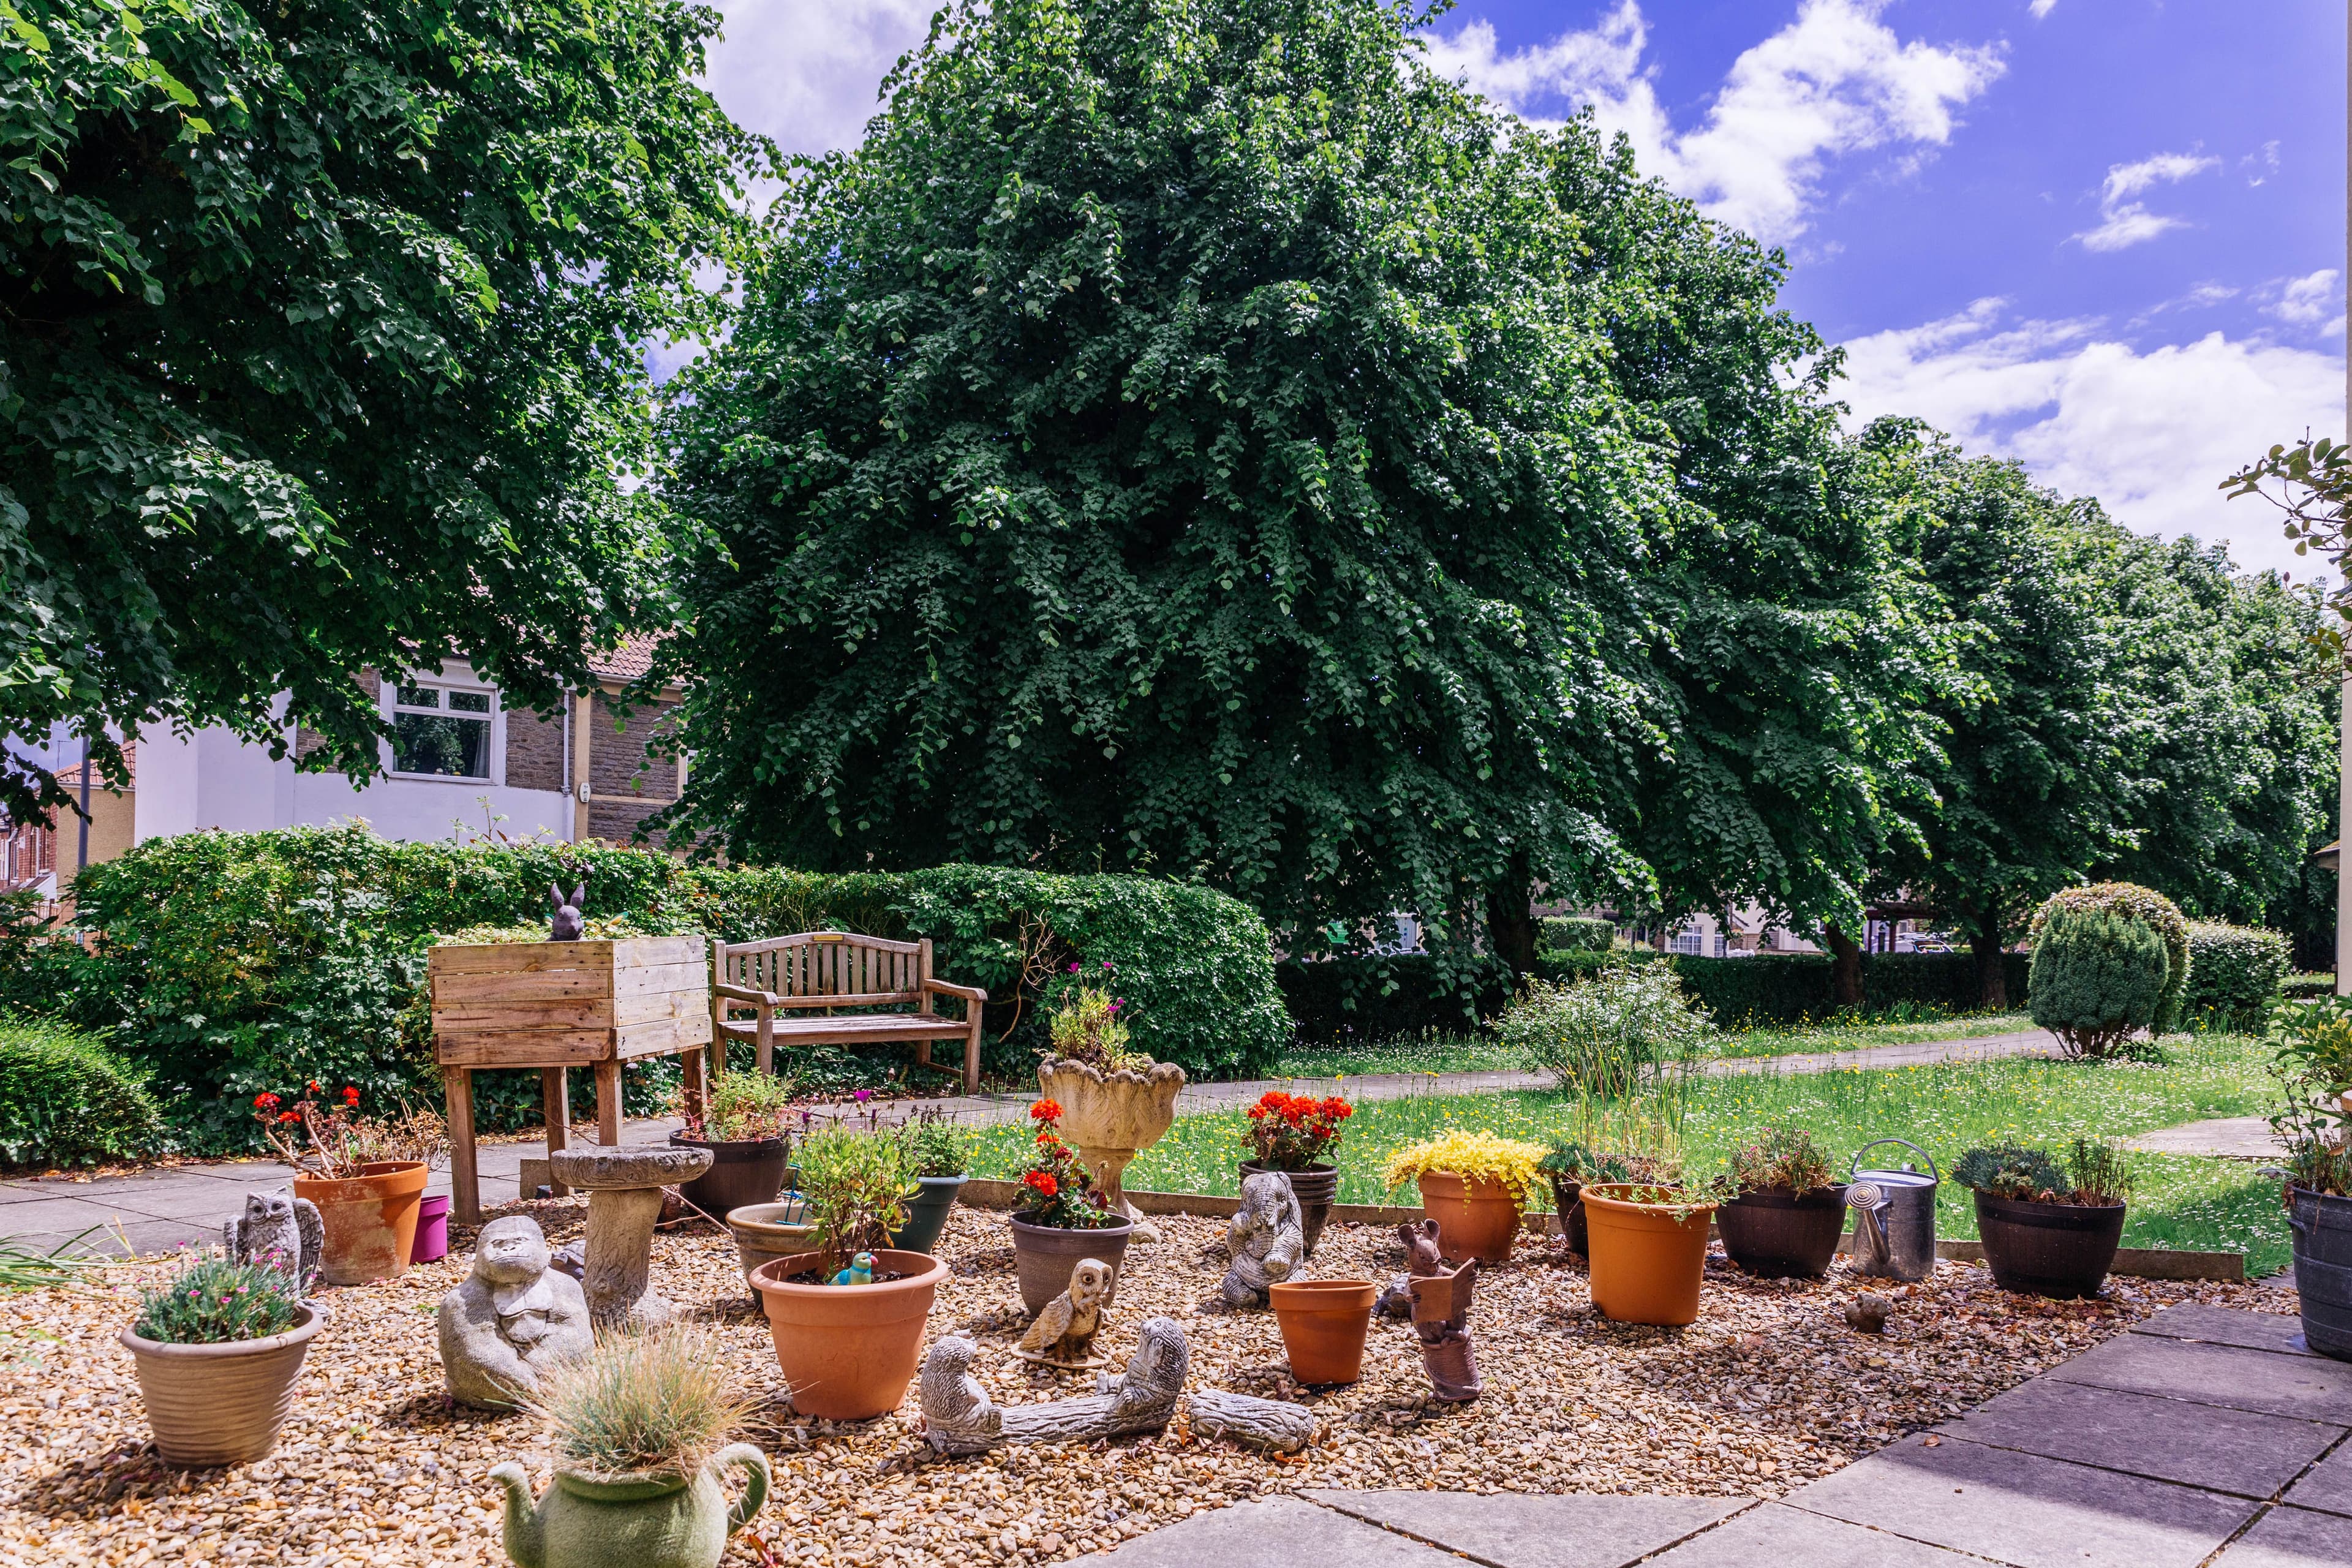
column 927, row 1213
column 742, row 1172
column 1323, row 1324
column 765, row 1232
column 369, row 1220
column 1314, row 1187
column 1649, row 1250
column 632, row 1522
column 2061, row 1250
column 220, row 1403
column 1477, row 1219
column 1044, row 1255
column 1110, row 1119
column 2322, row 1226
column 849, row 1351
column 1777, row 1234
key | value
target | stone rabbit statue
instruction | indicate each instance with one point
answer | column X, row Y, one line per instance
column 565, row 925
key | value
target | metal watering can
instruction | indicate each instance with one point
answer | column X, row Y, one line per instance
column 1894, row 1215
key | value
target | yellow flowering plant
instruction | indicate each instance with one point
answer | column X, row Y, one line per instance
column 1472, row 1156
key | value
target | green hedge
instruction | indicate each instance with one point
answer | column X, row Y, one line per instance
column 1579, row 933
column 65, row 1100
column 2099, row 976
column 2304, row 988
column 236, row 962
column 2234, row 976
column 2133, row 901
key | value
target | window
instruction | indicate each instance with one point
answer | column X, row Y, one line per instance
column 1686, row 940
column 443, row 731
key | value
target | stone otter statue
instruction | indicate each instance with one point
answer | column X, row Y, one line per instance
column 509, row 1318
column 1265, row 1239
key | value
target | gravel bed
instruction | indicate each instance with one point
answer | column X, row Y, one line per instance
column 1769, row 1388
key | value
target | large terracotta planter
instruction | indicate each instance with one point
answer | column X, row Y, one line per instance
column 1777, row 1234
column 224, row 1404
column 1044, row 1255
column 1314, row 1187
column 631, row 1521
column 1110, row 1119
column 1646, row 1257
column 848, row 1350
column 1475, row 1219
column 1323, row 1325
column 743, row 1172
column 369, row 1220
column 2061, row 1250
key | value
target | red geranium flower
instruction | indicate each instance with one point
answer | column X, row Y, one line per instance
column 264, row 1101
column 350, row 1095
column 1044, row 1182
column 1047, row 1110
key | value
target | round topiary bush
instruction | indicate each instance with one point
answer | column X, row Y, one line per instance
column 2097, row 978
column 65, row 1100
column 2135, row 902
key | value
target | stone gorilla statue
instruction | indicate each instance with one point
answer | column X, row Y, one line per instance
column 510, row 1319
column 1264, row 1239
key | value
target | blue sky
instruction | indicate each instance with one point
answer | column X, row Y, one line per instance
column 2107, row 236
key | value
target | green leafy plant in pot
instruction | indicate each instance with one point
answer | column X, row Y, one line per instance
column 2050, row 1226
column 744, row 1124
column 1057, row 1220
column 2313, row 1045
column 937, row 1151
column 637, row 1426
column 218, row 1347
column 1783, row 1209
column 1572, row 1165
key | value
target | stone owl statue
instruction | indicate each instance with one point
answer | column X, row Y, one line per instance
column 1265, row 1239
column 281, row 1230
column 1064, row 1333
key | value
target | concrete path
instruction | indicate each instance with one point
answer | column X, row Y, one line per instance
column 2224, row 1137
column 2203, row 1436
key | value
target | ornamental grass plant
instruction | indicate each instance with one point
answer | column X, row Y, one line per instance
column 655, row 1403
column 1625, row 1029
column 216, row 1300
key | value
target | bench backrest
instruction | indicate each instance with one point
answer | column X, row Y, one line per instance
column 827, row 968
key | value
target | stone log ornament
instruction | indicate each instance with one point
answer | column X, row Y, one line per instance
column 509, row 1318
column 1265, row 1239
column 625, row 1202
column 959, row 1417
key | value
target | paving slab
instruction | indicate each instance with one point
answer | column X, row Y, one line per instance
column 2222, row 1137
column 1274, row 1532
column 2199, row 1446
column 2280, row 1331
column 2328, row 1486
column 2310, row 1387
column 2292, row 1538
column 2027, row 1510
column 1516, row 1529
column 1778, row 1536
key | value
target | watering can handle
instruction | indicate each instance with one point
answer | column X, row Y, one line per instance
column 1874, row 1143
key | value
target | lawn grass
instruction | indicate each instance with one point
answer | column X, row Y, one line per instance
column 2182, row 1201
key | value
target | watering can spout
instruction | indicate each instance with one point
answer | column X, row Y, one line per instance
column 525, row 1539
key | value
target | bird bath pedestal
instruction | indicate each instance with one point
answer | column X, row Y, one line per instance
column 625, row 1200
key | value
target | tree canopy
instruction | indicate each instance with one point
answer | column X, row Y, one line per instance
column 321, row 348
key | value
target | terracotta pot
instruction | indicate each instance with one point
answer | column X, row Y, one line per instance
column 369, row 1220
column 1564, row 1191
column 1323, row 1325
column 1044, row 1255
column 927, row 1213
column 764, row 1232
column 1646, row 1262
column 1775, row 1234
column 2061, row 1250
column 742, row 1172
column 848, row 1350
column 1477, row 1220
column 632, row 1522
column 220, row 1404
column 1314, row 1187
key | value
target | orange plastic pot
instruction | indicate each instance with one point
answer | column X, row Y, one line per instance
column 1323, row 1326
column 1646, row 1259
column 848, row 1350
column 1475, row 1219
column 369, row 1220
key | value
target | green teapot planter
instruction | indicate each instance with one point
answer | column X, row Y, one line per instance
column 639, row 1521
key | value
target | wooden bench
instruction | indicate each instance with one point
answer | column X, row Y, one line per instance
column 791, row 985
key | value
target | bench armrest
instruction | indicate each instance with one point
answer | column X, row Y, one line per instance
column 971, row 994
column 743, row 994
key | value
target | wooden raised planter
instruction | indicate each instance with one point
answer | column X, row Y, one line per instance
column 555, row 1006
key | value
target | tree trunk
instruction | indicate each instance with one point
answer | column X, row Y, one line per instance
column 1992, row 974
column 1845, row 972
column 1510, row 921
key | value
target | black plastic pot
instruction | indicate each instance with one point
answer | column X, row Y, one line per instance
column 1042, row 1256
column 927, row 1213
column 745, row 1171
column 2062, row 1251
column 1314, row 1187
column 2322, row 1224
column 1777, row 1234
column 1564, row 1197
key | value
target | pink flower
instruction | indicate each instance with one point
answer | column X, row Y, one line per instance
column 1073, row 969
column 863, row 1095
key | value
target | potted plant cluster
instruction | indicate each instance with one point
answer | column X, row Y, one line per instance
column 743, row 1125
column 1572, row 1166
column 1648, row 1251
column 1293, row 1133
column 937, row 1151
column 1786, row 1210
column 1056, row 1221
column 848, row 1315
column 1474, row 1185
column 2315, row 1057
column 219, row 1346
column 1117, row 1103
column 368, row 1191
column 637, row 1426
column 2049, row 1228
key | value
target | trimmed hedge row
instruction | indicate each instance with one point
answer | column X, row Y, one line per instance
column 236, row 963
column 2234, row 976
column 65, row 1100
column 1579, row 933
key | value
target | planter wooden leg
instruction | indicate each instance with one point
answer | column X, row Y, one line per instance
column 465, row 1187
column 556, row 1108
column 608, row 1104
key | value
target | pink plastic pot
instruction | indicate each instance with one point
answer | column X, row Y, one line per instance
column 432, row 1243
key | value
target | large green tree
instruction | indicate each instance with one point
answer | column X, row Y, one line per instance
column 322, row 335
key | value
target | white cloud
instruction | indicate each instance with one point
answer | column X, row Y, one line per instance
column 2310, row 301
column 1834, row 81
column 808, row 72
column 2124, row 221
column 2152, row 434
column 2041, row 8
